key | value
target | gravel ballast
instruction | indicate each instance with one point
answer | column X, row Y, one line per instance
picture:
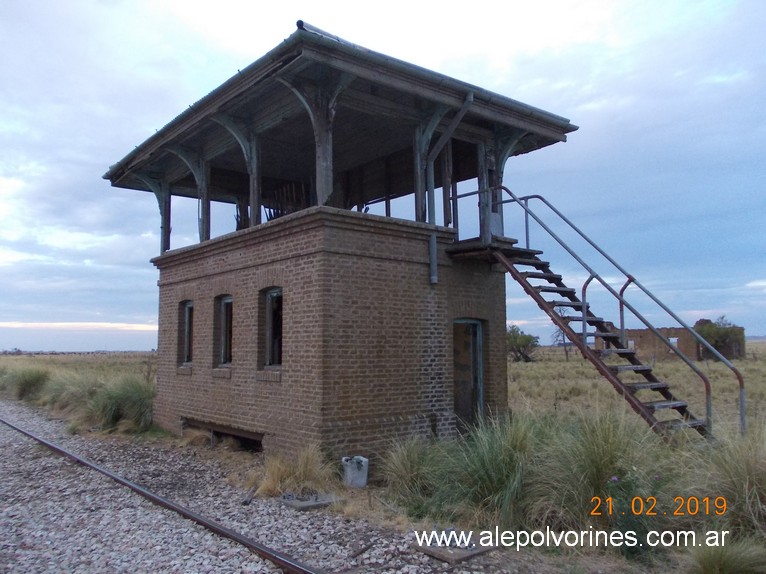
column 58, row 516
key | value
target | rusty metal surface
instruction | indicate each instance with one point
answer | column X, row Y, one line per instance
column 285, row 562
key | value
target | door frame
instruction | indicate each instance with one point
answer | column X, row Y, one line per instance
column 477, row 356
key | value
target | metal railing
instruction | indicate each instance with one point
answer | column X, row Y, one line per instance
column 523, row 202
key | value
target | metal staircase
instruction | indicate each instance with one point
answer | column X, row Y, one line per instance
column 540, row 281
column 599, row 340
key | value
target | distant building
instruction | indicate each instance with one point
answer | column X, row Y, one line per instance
column 646, row 344
column 313, row 320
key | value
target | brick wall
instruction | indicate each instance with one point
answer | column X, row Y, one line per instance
column 648, row 346
column 367, row 340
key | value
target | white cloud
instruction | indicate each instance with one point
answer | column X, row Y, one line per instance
column 11, row 256
column 77, row 326
column 667, row 96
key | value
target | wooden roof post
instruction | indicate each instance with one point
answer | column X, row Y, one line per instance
column 161, row 189
column 505, row 144
column 321, row 100
column 201, row 171
column 423, row 134
column 248, row 142
column 485, row 229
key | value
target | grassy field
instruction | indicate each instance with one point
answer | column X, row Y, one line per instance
column 109, row 391
column 570, row 445
column 553, row 384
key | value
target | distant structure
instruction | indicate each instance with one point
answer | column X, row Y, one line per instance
column 645, row 343
column 314, row 321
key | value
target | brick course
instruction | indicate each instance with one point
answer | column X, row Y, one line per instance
column 367, row 340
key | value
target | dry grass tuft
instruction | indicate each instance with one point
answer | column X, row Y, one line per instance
column 195, row 437
column 307, row 475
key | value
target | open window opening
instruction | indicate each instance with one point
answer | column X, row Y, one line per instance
column 272, row 330
column 224, row 315
column 185, row 332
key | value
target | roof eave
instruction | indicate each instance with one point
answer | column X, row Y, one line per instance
column 363, row 63
column 265, row 66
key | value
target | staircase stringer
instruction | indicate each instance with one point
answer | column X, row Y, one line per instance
column 529, row 215
column 577, row 340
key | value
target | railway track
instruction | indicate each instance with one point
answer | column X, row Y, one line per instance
column 286, row 563
column 54, row 518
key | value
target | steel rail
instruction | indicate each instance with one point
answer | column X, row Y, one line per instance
column 285, row 562
column 523, row 202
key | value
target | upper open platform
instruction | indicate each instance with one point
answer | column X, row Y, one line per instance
column 321, row 121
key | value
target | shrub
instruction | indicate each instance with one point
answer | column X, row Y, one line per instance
column 597, row 455
column 745, row 556
column 484, row 473
column 411, row 471
column 3, row 377
column 477, row 478
column 408, row 468
column 520, row 345
column 70, row 393
column 126, row 401
column 737, row 471
column 724, row 336
column 28, row 383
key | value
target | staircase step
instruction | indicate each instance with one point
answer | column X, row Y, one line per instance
column 647, row 386
column 620, row 352
column 677, row 424
column 656, row 405
column 553, row 289
column 603, row 334
column 587, row 320
column 634, row 368
column 531, row 262
column 544, row 276
column 572, row 304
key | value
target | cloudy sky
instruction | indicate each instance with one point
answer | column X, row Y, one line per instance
column 667, row 170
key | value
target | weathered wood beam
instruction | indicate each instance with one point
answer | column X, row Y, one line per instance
column 200, row 169
column 321, row 101
column 525, row 117
column 423, row 134
column 357, row 100
column 248, row 143
column 161, row 189
column 447, row 202
column 485, row 229
column 451, row 127
column 506, row 143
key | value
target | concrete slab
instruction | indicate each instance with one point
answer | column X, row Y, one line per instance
column 312, row 502
column 453, row 554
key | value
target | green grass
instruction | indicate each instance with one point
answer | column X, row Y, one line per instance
column 27, row 384
column 532, row 472
column 476, row 478
column 410, row 468
column 570, row 438
column 485, row 470
column 112, row 391
column 125, row 402
column 736, row 469
column 746, row 556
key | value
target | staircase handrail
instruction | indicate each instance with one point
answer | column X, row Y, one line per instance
column 524, row 203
